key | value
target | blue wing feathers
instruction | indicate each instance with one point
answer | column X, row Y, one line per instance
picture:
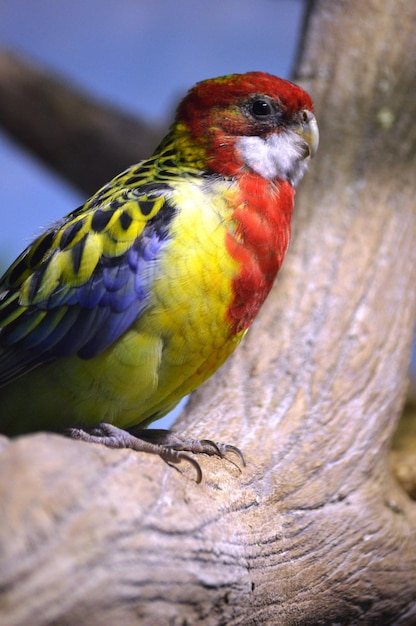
column 80, row 331
column 109, row 330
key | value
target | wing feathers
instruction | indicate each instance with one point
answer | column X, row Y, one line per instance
column 80, row 285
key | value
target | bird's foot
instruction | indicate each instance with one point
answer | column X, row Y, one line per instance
column 167, row 444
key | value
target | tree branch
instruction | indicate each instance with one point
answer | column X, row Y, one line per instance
column 84, row 140
column 314, row 530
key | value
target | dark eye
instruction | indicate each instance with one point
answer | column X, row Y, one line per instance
column 261, row 108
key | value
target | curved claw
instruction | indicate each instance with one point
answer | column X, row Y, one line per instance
column 230, row 448
column 169, row 455
column 212, row 444
column 222, row 449
column 185, row 457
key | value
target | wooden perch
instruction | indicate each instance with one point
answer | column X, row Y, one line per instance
column 314, row 530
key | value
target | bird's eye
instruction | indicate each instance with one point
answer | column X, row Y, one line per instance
column 261, row 108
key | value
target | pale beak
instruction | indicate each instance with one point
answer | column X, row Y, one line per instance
column 308, row 130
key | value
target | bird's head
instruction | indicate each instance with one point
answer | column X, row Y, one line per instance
column 252, row 121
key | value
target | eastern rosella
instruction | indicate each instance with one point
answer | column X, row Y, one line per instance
column 130, row 302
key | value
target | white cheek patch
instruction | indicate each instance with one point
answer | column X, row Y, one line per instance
column 277, row 156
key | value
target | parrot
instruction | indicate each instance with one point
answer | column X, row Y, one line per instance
column 127, row 304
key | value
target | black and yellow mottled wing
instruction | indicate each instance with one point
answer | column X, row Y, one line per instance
column 83, row 282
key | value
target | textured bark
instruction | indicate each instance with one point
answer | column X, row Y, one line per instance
column 314, row 530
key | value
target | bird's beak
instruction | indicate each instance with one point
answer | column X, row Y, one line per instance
column 308, row 130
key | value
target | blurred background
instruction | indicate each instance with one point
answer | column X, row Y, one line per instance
column 136, row 55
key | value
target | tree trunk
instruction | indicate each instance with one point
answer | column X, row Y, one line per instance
column 314, row 530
